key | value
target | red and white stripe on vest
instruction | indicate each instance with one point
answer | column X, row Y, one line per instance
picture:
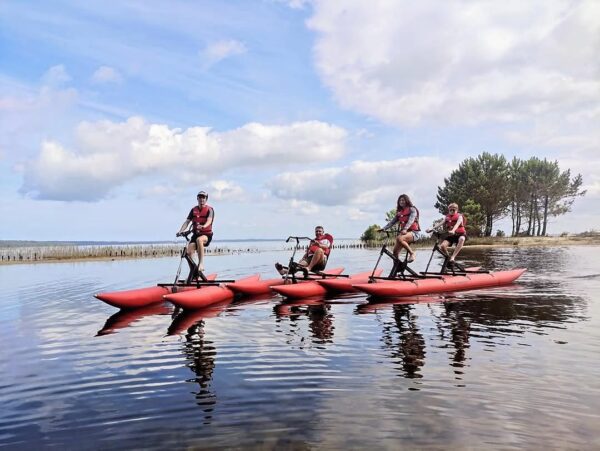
column 325, row 237
column 199, row 218
column 403, row 216
column 451, row 221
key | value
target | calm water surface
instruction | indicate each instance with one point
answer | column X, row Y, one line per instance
column 502, row 368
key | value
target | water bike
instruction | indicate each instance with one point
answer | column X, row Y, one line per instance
column 297, row 282
column 404, row 281
column 140, row 297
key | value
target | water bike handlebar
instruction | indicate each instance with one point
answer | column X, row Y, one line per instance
column 297, row 239
column 184, row 234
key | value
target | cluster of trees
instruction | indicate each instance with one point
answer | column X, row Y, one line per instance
column 489, row 188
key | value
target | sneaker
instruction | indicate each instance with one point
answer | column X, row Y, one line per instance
column 280, row 268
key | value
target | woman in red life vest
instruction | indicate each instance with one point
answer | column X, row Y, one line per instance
column 454, row 223
column 315, row 257
column 407, row 218
column 201, row 217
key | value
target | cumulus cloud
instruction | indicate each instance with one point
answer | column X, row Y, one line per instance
column 223, row 190
column 108, row 154
column 460, row 62
column 106, row 74
column 363, row 185
column 220, row 50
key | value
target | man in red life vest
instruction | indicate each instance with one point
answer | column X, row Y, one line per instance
column 454, row 223
column 201, row 217
column 407, row 218
column 315, row 257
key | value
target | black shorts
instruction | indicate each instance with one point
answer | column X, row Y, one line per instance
column 453, row 239
column 195, row 236
column 318, row 267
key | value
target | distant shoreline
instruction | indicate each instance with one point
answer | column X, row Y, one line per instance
column 130, row 251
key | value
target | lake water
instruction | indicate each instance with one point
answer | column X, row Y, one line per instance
column 508, row 368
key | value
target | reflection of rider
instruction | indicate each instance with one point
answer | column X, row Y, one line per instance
column 201, row 355
column 460, row 328
column 407, row 217
column 411, row 344
column 319, row 316
column 201, row 217
column 321, row 322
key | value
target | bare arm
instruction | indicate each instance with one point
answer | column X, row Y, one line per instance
column 390, row 224
column 184, row 226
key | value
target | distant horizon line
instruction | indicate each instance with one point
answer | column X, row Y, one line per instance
column 140, row 242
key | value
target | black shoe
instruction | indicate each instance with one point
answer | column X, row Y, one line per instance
column 280, row 268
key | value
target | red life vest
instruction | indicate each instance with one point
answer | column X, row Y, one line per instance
column 200, row 217
column 313, row 247
column 451, row 221
column 403, row 216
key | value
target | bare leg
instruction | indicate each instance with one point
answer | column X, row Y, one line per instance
column 316, row 259
column 459, row 245
column 191, row 249
column 200, row 244
column 403, row 242
column 444, row 247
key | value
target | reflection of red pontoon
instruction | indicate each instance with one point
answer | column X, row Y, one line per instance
column 447, row 283
column 123, row 318
column 188, row 318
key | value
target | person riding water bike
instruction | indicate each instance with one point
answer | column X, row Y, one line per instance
column 407, row 218
column 201, row 217
column 315, row 257
column 454, row 223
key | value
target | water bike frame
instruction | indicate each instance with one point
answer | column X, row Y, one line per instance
column 293, row 267
column 195, row 278
column 401, row 271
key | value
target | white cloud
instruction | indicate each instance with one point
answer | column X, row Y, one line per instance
column 408, row 63
column 223, row 190
column 56, row 76
column 109, row 154
column 219, row 50
column 106, row 74
column 158, row 191
column 363, row 185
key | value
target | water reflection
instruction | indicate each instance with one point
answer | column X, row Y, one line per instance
column 317, row 312
column 488, row 316
column 404, row 341
column 126, row 317
column 200, row 354
column 454, row 326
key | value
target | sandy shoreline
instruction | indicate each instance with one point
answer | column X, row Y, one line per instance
column 472, row 243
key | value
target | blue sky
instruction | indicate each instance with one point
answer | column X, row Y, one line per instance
column 289, row 113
